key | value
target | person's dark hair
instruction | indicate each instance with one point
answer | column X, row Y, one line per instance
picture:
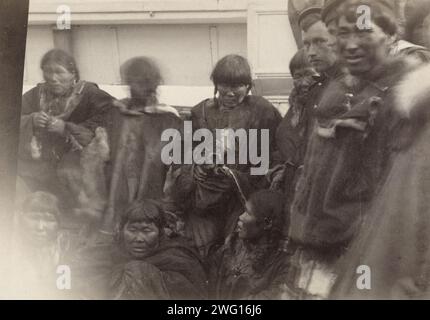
column 299, row 61
column 381, row 14
column 268, row 207
column 41, row 201
column 142, row 70
column 147, row 210
column 232, row 70
column 62, row 58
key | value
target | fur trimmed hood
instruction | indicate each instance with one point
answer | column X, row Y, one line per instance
column 412, row 93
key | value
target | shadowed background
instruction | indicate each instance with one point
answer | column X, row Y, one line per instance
column 13, row 30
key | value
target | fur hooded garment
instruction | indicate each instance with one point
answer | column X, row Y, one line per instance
column 348, row 155
column 394, row 241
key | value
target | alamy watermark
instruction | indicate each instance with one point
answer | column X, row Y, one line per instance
column 64, row 279
column 364, row 18
column 364, row 280
column 64, row 20
column 228, row 146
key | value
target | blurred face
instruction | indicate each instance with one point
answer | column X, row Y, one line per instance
column 303, row 79
column 41, row 228
column 231, row 96
column 319, row 46
column 248, row 227
column 59, row 79
column 139, row 90
column 361, row 50
column 140, row 238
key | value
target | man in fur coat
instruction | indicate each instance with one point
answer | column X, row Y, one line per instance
column 293, row 133
column 393, row 246
column 352, row 144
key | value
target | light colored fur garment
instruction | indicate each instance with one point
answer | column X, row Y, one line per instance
column 93, row 195
column 412, row 94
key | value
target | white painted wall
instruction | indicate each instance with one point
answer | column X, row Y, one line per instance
column 185, row 37
column 39, row 41
column 182, row 96
column 185, row 53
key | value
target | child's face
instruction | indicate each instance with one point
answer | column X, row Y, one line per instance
column 41, row 228
column 304, row 79
column 248, row 226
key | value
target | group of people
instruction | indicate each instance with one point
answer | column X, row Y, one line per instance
column 346, row 185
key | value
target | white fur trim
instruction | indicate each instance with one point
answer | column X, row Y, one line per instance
column 162, row 108
column 413, row 90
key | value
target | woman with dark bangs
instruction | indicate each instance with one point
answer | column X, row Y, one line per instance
column 140, row 260
column 209, row 196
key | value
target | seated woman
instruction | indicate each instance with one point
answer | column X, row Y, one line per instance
column 141, row 261
column 60, row 118
column 212, row 198
column 252, row 264
column 136, row 129
column 38, row 248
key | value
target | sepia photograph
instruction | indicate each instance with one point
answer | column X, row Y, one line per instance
column 205, row 152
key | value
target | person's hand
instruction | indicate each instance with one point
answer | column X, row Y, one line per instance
column 40, row 119
column 56, row 126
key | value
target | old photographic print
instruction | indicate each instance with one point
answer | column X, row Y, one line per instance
column 215, row 150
